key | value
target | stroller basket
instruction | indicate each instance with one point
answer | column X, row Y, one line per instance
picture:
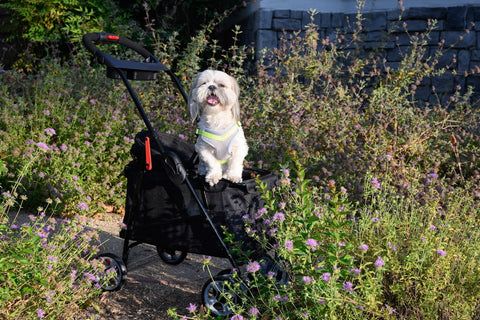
column 168, row 216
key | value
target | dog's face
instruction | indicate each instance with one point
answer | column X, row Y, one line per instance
column 213, row 91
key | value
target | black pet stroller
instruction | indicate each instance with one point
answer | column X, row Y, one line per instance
column 168, row 204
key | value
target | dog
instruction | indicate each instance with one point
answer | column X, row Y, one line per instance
column 221, row 145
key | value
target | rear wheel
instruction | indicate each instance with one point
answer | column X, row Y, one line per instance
column 171, row 256
column 115, row 272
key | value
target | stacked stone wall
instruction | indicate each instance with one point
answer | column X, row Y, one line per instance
column 457, row 27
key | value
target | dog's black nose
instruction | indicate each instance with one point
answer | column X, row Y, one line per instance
column 212, row 87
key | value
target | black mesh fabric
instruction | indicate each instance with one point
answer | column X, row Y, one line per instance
column 161, row 213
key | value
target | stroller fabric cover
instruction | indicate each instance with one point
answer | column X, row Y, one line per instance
column 164, row 214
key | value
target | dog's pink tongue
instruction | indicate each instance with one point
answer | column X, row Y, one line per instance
column 212, row 99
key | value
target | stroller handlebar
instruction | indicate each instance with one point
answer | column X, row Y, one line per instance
column 90, row 39
column 134, row 70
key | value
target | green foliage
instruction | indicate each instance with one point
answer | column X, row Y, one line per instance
column 378, row 216
column 80, row 148
column 43, row 21
column 46, row 269
column 384, row 224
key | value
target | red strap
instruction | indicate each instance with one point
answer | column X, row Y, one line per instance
column 148, row 154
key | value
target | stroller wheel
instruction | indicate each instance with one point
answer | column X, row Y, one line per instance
column 275, row 268
column 113, row 263
column 171, row 256
column 217, row 295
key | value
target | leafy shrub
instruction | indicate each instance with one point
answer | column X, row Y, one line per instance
column 391, row 258
column 43, row 21
column 46, row 269
column 81, row 146
column 384, row 226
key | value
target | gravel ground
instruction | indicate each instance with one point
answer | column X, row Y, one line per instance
column 151, row 287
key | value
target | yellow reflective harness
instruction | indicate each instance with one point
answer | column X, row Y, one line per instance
column 220, row 140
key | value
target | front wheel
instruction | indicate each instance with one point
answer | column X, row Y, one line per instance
column 217, row 295
column 114, row 274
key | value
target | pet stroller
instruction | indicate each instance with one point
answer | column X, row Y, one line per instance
column 168, row 204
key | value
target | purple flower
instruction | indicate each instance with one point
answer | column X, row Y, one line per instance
column 433, row 175
column 391, row 246
column 379, row 262
column 442, row 253
column 261, row 211
column 50, row 131
column 355, row 270
column 192, row 307
column 289, row 245
column 40, row 313
column 43, row 146
column 280, row 217
column 49, row 296
column 90, row 276
column 326, row 276
column 376, row 184
column 280, row 298
column 253, row 267
column 63, row 147
column 42, row 235
column 312, row 243
column 253, row 311
column 348, row 286
column 237, row 317
column 364, row 247
column 82, row 206
column 307, row 279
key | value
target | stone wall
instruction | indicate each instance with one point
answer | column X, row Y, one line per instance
column 383, row 30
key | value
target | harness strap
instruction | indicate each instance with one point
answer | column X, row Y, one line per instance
column 219, row 135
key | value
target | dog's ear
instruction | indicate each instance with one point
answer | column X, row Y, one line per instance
column 193, row 109
column 236, row 105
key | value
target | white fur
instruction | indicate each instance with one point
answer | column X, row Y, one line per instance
column 217, row 117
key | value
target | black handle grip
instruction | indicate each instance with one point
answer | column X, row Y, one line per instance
column 90, row 39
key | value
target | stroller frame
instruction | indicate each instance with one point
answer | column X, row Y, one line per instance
column 147, row 70
column 173, row 176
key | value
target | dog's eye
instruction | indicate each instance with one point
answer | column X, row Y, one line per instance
column 221, row 85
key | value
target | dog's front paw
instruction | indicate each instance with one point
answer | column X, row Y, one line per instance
column 233, row 177
column 213, row 178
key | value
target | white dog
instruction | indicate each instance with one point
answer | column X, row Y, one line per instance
column 221, row 144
